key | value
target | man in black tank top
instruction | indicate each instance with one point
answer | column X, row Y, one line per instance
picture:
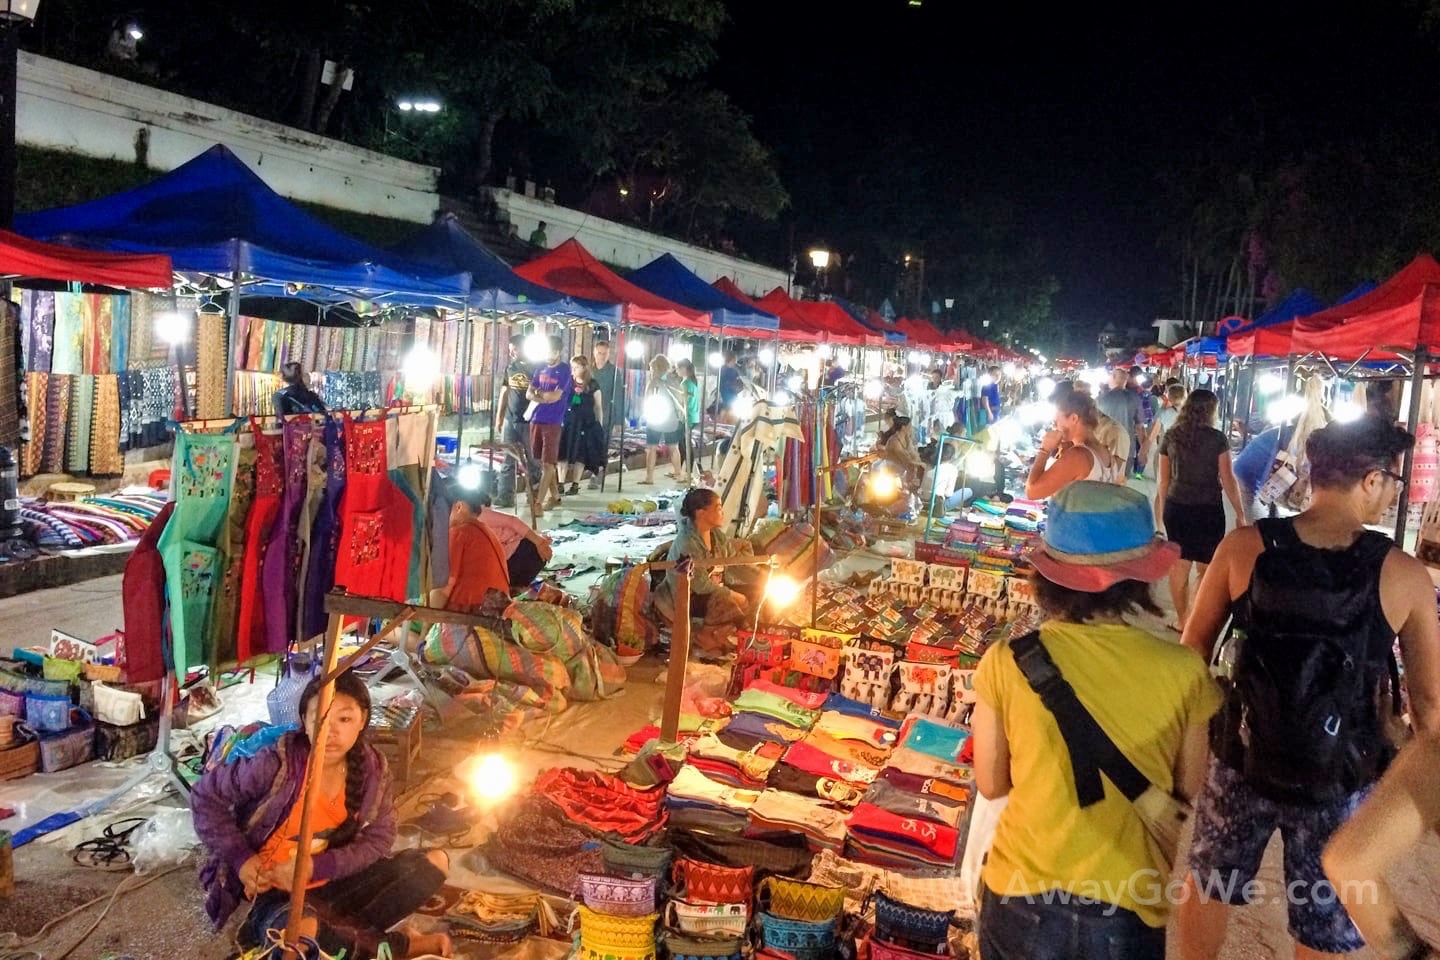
column 1317, row 601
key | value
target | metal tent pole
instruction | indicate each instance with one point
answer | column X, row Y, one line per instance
column 1417, row 383
column 624, row 386
column 462, row 395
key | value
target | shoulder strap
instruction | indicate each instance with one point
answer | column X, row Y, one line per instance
column 1091, row 750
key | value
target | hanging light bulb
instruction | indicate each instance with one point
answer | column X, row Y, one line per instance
column 1285, row 409
column 978, row 463
column 634, row 349
column 884, row 485
column 874, row 389
column 679, row 350
column 537, row 348
column 468, row 476
column 172, row 326
column 823, row 351
column 659, row 412
column 780, row 398
column 1349, row 411
column 1269, row 384
column 420, row 368
column 1044, row 387
column 766, row 356
column 782, row 591
column 743, row 407
column 717, row 360
column 1009, row 369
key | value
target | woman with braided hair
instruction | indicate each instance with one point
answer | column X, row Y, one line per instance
column 247, row 813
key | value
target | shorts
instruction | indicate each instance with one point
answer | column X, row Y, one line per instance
column 654, row 438
column 1233, row 825
column 545, row 442
column 1198, row 528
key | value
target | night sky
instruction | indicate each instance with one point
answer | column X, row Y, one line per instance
column 1071, row 113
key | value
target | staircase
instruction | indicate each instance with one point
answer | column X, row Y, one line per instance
column 487, row 226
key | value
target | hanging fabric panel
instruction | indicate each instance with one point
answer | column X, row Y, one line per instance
column 69, row 334
column 119, row 333
column 204, row 477
column 38, row 309
column 281, row 564
column 361, row 560
column 210, row 365
column 230, row 562
column 259, row 525
column 57, row 416
column 82, row 414
column 106, row 460
column 316, row 459
column 11, row 375
column 325, row 535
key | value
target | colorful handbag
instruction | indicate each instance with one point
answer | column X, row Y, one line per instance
column 61, row 751
column 800, row 900
column 120, row 708
column 708, row 883
column 814, row 659
column 46, row 713
column 678, row 946
column 633, row 859
column 707, row 919
column 618, row 896
column 880, row 950
column 801, row 939
column 12, row 704
column 607, row 935
column 55, row 668
column 914, row 927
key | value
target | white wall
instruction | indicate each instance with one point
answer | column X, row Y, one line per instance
column 64, row 107
column 628, row 247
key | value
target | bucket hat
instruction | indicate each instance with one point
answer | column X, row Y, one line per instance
column 1098, row 534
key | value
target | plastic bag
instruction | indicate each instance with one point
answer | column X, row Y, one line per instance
column 165, row 840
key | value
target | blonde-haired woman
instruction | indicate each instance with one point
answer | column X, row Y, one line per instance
column 664, row 410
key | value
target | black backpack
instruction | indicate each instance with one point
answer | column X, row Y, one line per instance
column 1301, row 719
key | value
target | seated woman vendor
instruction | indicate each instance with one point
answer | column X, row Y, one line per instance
column 714, row 597
column 896, row 443
column 478, row 562
column 247, row 813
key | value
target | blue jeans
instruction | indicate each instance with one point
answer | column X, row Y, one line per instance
column 1012, row 928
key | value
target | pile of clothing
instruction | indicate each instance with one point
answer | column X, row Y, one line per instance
column 90, row 522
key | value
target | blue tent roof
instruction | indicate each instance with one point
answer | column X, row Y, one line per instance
column 1364, row 287
column 1300, row 303
column 448, row 247
column 669, row 278
column 862, row 317
column 213, row 214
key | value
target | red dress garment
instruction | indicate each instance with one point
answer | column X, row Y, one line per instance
column 269, row 485
column 141, row 652
column 368, row 540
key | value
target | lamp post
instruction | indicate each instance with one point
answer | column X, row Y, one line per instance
column 410, row 106
column 820, row 259
column 12, row 14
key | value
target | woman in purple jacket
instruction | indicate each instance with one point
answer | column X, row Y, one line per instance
column 248, row 812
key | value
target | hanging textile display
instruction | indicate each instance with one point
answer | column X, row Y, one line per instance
column 106, row 460
column 82, row 412
column 140, row 651
column 281, row 562
column 146, row 349
column 10, row 375
column 204, row 476
column 95, row 338
column 324, row 535
column 741, row 481
column 69, row 334
column 37, row 308
column 317, row 460
column 37, row 392
column 361, row 560
column 57, row 416
column 264, row 507
column 119, row 333
column 210, row 365
column 230, row 567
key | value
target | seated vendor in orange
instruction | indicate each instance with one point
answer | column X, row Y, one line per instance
column 717, row 595
column 477, row 560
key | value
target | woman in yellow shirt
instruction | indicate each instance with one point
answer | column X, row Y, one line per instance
column 1061, row 879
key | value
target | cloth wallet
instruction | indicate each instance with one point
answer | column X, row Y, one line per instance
column 1092, row 752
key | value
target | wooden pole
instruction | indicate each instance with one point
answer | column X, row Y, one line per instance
column 312, row 781
column 679, row 658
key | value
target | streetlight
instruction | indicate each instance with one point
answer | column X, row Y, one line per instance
column 12, row 14
column 820, row 259
column 407, row 105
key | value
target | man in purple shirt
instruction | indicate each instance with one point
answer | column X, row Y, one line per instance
column 549, row 392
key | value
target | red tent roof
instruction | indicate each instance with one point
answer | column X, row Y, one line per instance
column 23, row 257
column 1403, row 312
column 727, row 286
column 795, row 327
column 570, row 268
column 837, row 323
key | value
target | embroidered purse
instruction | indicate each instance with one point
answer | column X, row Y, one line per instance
column 631, row 859
column 61, row 751
column 630, row 938
column 800, row 900
column 910, row 926
column 678, row 946
column 67, row 671
column 618, row 896
column 120, row 708
column 12, row 704
column 814, row 659
column 880, row 950
column 708, row 883
column 45, row 713
column 801, row 939
column 708, row 919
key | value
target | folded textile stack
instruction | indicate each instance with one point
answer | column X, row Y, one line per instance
column 93, row 521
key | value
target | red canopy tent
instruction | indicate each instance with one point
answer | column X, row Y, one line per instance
column 728, row 287
column 1271, row 341
column 1402, row 313
column 795, row 327
column 23, row 257
column 840, row 327
column 570, row 268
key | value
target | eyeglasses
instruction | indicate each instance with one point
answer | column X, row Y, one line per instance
column 1399, row 480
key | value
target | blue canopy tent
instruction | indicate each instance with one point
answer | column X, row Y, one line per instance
column 214, row 215
column 448, row 247
column 669, row 278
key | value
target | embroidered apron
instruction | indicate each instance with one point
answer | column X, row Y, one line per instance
column 361, row 562
column 205, row 475
column 222, row 637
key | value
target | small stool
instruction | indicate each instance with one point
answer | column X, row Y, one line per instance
column 395, row 731
column 69, row 491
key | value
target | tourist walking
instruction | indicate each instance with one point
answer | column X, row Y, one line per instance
column 1313, row 689
column 1070, row 452
column 1194, row 471
column 1076, row 871
column 582, row 438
